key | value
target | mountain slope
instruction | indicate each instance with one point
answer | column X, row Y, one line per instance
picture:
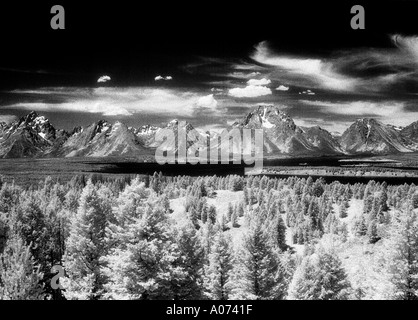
column 34, row 136
column 30, row 136
column 371, row 136
column 102, row 139
column 283, row 136
column 409, row 135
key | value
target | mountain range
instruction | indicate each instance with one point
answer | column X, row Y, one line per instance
column 34, row 136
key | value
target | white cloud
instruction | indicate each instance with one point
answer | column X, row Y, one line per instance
column 167, row 78
column 308, row 92
column 282, row 88
column 409, row 45
column 243, row 75
column 332, row 126
column 322, row 72
column 7, row 118
column 103, row 79
column 118, row 101
column 392, row 112
column 258, row 82
column 207, row 102
column 250, row 91
column 366, row 70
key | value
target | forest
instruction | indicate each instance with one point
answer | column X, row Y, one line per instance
column 209, row 237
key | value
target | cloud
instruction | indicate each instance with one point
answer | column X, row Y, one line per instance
column 366, row 70
column 319, row 71
column 167, row 78
column 250, row 91
column 335, row 126
column 308, row 92
column 259, row 82
column 393, row 112
column 216, row 90
column 7, row 118
column 103, row 79
column 114, row 101
column 243, row 74
column 408, row 45
column 207, row 102
column 282, row 88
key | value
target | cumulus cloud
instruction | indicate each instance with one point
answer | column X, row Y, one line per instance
column 207, row 102
column 7, row 118
column 282, row 88
column 250, row 91
column 115, row 101
column 103, row 79
column 258, row 82
column 167, row 78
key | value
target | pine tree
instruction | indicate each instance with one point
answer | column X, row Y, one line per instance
column 86, row 245
column 222, row 223
column 20, row 278
column 204, row 214
column 212, row 214
column 343, row 210
column 360, row 227
column 218, row 271
column 151, row 265
column 246, row 197
column 403, row 262
column 234, row 220
column 241, row 210
column 257, row 273
column 230, row 211
column 190, row 285
column 372, row 232
column 320, row 276
column 279, row 233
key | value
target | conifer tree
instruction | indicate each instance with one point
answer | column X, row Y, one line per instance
column 403, row 261
column 230, row 211
column 279, row 233
column 257, row 273
column 343, row 211
column 20, row 278
column 86, row 245
column 372, row 232
column 241, row 210
column 191, row 259
column 218, row 271
column 234, row 220
column 150, row 267
column 320, row 276
column 212, row 214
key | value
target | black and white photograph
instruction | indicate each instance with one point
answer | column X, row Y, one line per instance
column 209, row 151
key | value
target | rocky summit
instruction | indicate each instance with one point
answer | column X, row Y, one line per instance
column 34, row 136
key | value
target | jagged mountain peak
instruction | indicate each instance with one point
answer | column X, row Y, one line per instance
column 368, row 135
column 33, row 136
column 30, row 116
column 267, row 116
column 175, row 123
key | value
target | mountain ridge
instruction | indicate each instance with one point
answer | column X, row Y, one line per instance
column 34, row 136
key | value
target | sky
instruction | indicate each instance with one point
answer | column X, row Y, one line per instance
column 209, row 64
